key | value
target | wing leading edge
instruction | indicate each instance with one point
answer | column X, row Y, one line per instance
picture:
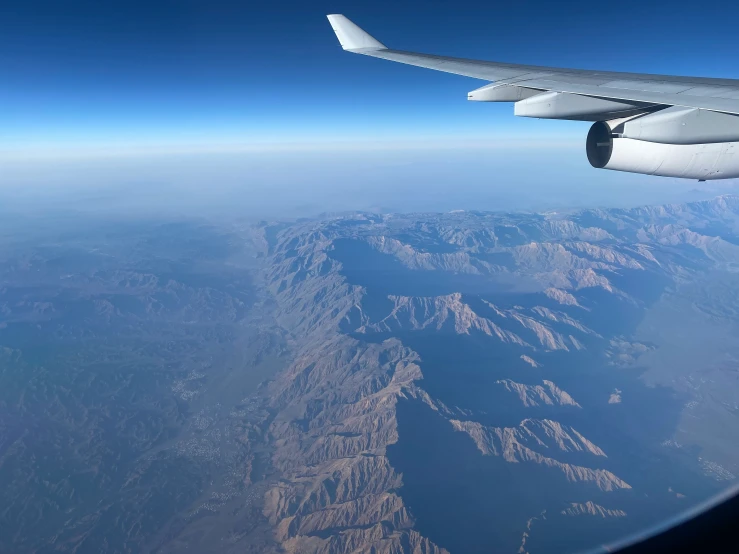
column 720, row 95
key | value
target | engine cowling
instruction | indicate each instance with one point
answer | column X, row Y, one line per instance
column 689, row 161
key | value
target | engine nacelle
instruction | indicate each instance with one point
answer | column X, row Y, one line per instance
column 689, row 161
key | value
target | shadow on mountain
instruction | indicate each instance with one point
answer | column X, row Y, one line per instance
column 465, row 501
column 383, row 274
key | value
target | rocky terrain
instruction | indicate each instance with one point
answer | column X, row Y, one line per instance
column 125, row 411
column 472, row 381
column 420, row 383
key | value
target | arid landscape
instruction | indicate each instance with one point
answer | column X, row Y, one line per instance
column 416, row 383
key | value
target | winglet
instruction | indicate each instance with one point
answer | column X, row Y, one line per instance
column 351, row 37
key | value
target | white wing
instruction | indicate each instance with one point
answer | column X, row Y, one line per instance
column 630, row 89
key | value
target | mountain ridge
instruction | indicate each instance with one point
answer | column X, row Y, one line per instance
column 521, row 279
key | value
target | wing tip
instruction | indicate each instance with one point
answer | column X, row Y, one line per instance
column 351, row 36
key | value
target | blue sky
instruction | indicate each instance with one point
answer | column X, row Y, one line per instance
column 218, row 71
column 91, row 79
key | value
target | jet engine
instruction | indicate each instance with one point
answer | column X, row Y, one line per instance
column 674, row 142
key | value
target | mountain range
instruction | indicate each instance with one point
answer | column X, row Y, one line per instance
column 468, row 381
column 368, row 383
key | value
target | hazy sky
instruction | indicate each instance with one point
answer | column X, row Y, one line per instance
column 257, row 97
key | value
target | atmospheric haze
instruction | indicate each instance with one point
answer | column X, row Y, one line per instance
column 261, row 296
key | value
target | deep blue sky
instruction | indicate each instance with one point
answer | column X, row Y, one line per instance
column 86, row 77
column 218, row 70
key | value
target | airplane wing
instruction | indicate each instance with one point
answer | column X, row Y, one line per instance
column 637, row 91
